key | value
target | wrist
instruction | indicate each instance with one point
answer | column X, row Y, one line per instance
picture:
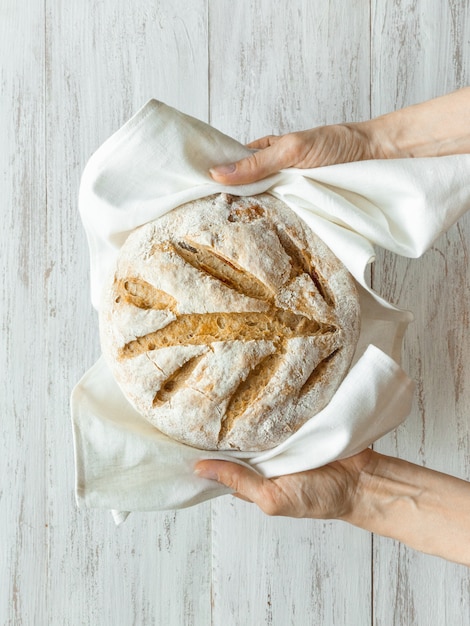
column 379, row 137
column 375, row 493
column 406, row 133
column 427, row 510
column 365, row 484
column 437, row 127
column 376, row 138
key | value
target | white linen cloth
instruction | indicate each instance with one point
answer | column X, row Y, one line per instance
column 160, row 160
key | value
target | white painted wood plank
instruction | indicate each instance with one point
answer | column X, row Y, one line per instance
column 420, row 50
column 284, row 571
column 273, row 71
column 104, row 60
column 23, row 531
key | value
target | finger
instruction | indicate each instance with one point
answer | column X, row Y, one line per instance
column 255, row 167
column 240, row 497
column 263, row 142
column 244, row 482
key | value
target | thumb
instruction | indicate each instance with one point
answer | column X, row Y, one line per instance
column 242, row 480
column 250, row 169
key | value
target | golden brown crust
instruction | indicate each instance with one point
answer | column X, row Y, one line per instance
column 228, row 323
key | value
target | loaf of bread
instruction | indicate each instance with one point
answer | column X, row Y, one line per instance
column 227, row 323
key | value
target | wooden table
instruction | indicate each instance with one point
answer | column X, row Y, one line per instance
column 71, row 74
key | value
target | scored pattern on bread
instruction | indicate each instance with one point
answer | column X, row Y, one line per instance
column 214, row 265
column 174, row 382
column 302, row 263
column 319, row 371
column 248, row 390
column 228, row 324
column 143, row 295
column 195, row 329
column 276, row 325
column 205, row 328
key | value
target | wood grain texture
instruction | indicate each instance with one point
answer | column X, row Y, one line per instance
column 23, row 530
column 273, row 71
column 419, row 51
column 285, row 571
column 431, row 44
column 71, row 74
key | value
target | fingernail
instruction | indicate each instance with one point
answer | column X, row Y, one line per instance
column 206, row 473
column 229, row 168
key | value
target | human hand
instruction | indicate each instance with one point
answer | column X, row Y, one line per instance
column 437, row 127
column 324, row 145
column 324, row 493
column 427, row 510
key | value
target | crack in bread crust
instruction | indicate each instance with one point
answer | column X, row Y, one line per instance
column 317, row 373
column 302, row 263
column 143, row 295
column 176, row 381
column 226, row 271
column 249, row 389
column 194, row 329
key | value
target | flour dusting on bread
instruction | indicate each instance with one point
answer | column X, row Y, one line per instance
column 228, row 323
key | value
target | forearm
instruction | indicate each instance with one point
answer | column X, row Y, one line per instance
column 437, row 127
column 424, row 509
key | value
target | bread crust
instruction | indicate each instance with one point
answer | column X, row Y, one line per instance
column 228, row 323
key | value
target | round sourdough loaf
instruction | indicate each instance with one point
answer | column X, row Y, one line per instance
column 227, row 323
